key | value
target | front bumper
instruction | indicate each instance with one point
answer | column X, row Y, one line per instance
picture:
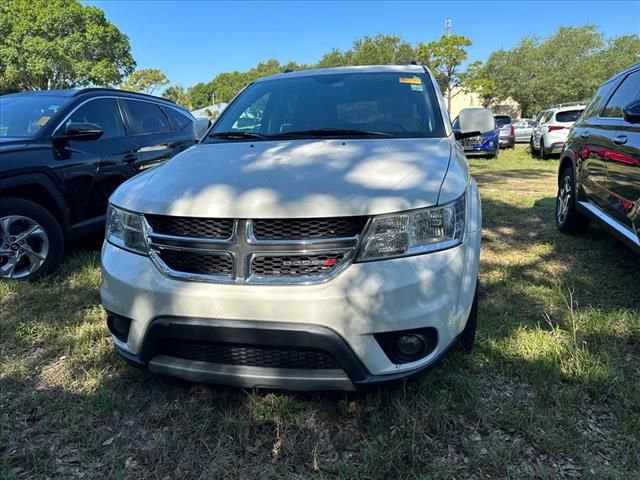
column 433, row 290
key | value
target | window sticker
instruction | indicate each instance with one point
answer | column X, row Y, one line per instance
column 417, row 88
column 43, row 120
column 411, row 80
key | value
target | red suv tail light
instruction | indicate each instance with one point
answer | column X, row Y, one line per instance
column 513, row 131
column 551, row 128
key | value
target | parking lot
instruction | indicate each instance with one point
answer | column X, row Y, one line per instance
column 551, row 390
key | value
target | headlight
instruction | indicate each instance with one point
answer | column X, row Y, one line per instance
column 414, row 232
column 125, row 230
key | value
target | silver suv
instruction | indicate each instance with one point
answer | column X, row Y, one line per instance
column 550, row 134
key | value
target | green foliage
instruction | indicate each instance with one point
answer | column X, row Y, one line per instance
column 567, row 66
column 147, row 80
column 179, row 95
column 59, row 44
column 378, row 50
column 444, row 58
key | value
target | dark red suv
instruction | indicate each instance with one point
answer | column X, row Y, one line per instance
column 599, row 175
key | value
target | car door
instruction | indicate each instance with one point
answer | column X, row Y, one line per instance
column 109, row 152
column 621, row 150
column 537, row 131
column 156, row 138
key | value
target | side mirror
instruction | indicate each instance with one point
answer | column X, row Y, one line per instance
column 200, row 127
column 534, row 123
column 632, row 112
column 473, row 122
column 80, row 131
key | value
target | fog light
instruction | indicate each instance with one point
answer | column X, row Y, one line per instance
column 411, row 346
column 119, row 326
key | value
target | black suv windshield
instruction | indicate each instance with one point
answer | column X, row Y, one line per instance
column 361, row 104
column 23, row 116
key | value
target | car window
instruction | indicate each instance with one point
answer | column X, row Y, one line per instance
column 628, row 91
column 146, row 117
column 180, row 120
column 103, row 112
column 396, row 104
column 568, row 116
column 546, row 117
column 24, row 115
column 502, row 120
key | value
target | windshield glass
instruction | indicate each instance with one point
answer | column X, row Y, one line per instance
column 502, row 120
column 345, row 105
column 24, row 115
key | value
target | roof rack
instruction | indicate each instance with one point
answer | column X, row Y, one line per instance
column 288, row 70
column 413, row 62
column 106, row 89
column 570, row 104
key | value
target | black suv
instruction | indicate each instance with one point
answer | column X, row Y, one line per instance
column 62, row 154
column 599, row 176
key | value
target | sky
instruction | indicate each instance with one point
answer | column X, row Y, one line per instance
column 193, row 41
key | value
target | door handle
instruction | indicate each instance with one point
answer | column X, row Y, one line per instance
column 130, row 157
column 620, row 140
column 585, row 134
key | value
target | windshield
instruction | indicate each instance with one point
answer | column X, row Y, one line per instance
column 344, row 105
column 502, row 120
column 24, row 115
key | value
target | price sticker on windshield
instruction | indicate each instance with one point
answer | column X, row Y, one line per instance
column 411, row 80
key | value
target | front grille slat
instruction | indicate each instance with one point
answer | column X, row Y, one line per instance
column 250, row 356
column 194, row 227
column 308, row 228
column 197, row 263
column 296, row 265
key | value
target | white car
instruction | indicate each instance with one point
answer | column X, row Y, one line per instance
column 551, row 131
column 324, row 235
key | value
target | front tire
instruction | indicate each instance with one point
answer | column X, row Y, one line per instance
column 543, row 152
column 31, row 240
column 568, row 219
column 531, row 147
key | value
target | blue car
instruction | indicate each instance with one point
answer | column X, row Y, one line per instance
column 487, row 144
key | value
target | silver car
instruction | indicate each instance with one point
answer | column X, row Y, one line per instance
column 505, row 128
column 523, row 129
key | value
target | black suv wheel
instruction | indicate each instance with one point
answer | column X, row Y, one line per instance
column 568, row 219
column 31, row 240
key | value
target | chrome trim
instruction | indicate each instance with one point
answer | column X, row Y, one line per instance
column 611, row 222
column 243, row 248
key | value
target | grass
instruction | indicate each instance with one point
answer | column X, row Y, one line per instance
column 551, row 391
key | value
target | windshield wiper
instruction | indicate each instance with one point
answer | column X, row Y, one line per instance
column 237, row 135
column 331, row 132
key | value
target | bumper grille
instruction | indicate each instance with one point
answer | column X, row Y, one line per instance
column 250, row 356
column 468, row 142
column 196, row 227
column 308, row 229
column 296, row 265
column 198, row 263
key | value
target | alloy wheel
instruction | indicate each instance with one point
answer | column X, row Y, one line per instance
column 24, row 246
column 564, row 198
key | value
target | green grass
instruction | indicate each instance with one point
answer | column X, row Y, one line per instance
column 551, row 391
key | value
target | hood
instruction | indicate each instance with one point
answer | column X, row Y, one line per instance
column 297, row 178
column 9, row 144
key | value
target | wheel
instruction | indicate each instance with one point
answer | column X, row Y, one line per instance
column 467, row 338
column 543, row 152
column 531, row 147
column 568, row 219
column 31, row 240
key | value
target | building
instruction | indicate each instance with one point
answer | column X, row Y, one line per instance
column 464, row 99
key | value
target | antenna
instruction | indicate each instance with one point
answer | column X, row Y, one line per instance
column 447, row 27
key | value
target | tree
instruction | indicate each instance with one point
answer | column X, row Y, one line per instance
column 178, row 95
column 444, row 58
column 567, row 66
column 147, row 80
column 378, row 50
column 59, row 44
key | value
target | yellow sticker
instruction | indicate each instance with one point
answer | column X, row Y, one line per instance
column 412, row 80
column 43, row 120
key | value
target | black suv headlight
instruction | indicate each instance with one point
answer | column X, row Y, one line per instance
column 125, row 230
column 414, row 232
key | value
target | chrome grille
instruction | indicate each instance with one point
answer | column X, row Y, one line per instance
column 256, row 251
column 306, row 229
column 250, row 356
column 220, row 228
column 468, row 142
column 296, row 265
